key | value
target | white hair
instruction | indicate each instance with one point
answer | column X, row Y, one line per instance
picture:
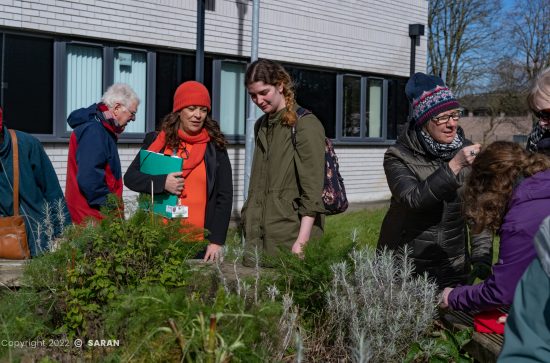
column 540, row 91
column 120, row 93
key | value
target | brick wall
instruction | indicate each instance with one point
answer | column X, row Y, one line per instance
column 366, row 35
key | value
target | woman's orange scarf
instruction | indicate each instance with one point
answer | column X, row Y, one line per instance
column 191, row 159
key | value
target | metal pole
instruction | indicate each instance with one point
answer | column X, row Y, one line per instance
column 412, row 69
column 199, row 56
column 251, row 115
column 413, row 55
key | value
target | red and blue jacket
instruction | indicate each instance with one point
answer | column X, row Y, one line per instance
column 93, row 169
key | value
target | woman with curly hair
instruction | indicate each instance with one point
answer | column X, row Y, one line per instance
column 205, row 184
column 507, row 193
column 284, row 207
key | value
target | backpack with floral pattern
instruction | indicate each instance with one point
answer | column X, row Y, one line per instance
column 334, row 192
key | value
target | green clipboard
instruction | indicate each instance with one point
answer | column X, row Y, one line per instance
column 159, row 164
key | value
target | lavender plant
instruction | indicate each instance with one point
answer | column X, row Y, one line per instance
column 52, row 225
column 379, row 307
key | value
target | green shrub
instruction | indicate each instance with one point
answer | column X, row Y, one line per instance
column 307, row 279
column 118, row 254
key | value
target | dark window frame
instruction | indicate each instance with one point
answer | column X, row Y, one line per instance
column 60, row 86
column 59, row 89
column 364, row 96
column 4, row 85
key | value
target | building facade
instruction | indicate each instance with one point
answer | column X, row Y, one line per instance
column 349, row 59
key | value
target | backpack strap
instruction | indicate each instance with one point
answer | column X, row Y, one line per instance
column 300, row 112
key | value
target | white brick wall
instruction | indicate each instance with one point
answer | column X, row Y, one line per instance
column 363, row 173
column 361, row 169
column 362, row 35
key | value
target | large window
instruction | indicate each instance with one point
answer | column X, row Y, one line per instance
column 91, row 68
column 27, row 83
column 398, row 107
column 84, row 76
column 232, row 98
column 352, row 107
column 53, row 76
column 131, row 67
column 362, row 116
column 172, row 69
column 316, row 91
column 375, row 102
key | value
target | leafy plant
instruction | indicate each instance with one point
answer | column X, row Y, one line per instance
column 307, row 279
column 118, row 254
column 441, row 346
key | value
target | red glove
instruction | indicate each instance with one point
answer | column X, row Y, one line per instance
column 489, row 322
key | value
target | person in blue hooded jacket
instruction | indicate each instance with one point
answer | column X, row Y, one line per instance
column 41, row 200
column 527, row 331
column 93, row 170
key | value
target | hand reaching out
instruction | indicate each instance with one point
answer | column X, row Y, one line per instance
column 464, row 157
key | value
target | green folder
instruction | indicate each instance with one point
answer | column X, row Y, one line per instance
column 159, row 164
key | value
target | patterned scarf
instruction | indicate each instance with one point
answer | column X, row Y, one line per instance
column 108, row 119
column 442, row 151
column 537, row 138
column 191, row 159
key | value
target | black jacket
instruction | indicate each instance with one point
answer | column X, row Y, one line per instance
column 426, row 213
column 219, row 182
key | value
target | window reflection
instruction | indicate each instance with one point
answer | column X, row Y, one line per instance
column 352, row 106
column 84, row 77
column 373, row 119
column 316, row 91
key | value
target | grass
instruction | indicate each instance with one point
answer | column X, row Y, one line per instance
column 362, row 226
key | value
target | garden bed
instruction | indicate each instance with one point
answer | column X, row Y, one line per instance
column 125, row 290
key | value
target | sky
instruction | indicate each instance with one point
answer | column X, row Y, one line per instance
column 507, row 4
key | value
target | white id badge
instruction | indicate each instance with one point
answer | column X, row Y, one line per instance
column 180, row 211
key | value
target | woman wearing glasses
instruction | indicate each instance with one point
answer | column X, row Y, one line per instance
column 204, row 186
column 425, row 170
column 539, row 102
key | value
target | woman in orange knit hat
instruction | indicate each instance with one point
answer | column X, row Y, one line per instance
column 205, row 184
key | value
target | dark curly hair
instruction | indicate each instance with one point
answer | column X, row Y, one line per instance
column 274, row 74
column 171, row 124
column 497, row 169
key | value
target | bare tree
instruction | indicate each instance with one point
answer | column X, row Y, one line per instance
column 461, row 35
column 529, row 28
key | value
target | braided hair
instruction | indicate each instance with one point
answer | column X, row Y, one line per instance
column 274, row 74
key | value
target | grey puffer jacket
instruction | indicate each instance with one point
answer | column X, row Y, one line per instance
column 426, row 213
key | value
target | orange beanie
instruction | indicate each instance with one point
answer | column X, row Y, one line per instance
column 191, row 93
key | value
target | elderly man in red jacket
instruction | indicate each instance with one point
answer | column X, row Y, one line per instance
column 94, row 169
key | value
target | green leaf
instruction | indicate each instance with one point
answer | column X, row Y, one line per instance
column 463, row 336
column 414, row 352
